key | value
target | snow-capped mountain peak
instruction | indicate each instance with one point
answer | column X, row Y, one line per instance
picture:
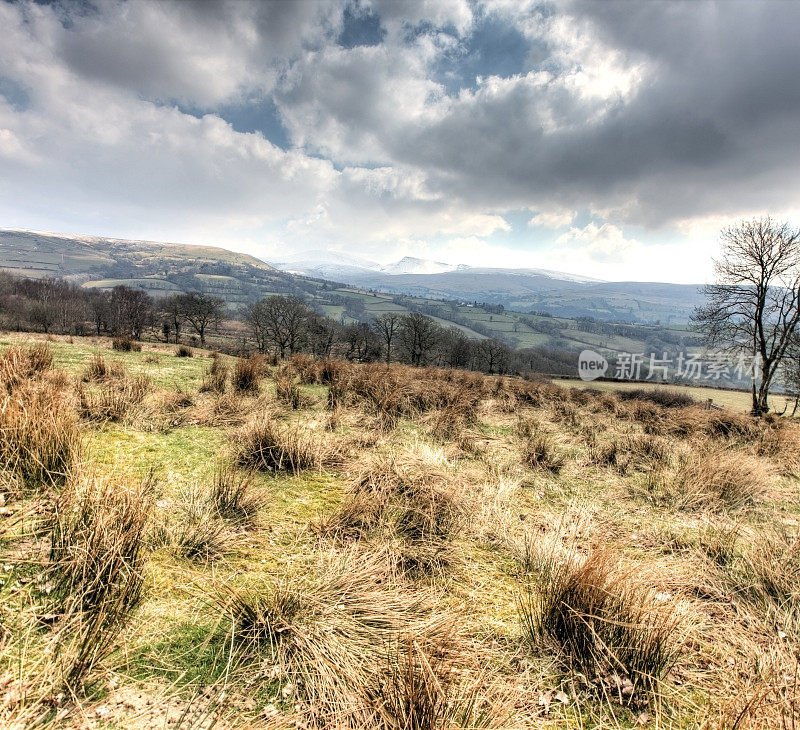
column 412, row 265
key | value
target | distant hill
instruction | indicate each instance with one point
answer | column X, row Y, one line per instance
column 159, row 268
column 525, row 290
column 453, row 298
column 411, row 265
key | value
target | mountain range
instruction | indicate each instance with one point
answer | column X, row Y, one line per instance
column 349, row 289
column 525, row 290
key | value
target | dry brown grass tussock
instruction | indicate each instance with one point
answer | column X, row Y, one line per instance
column 609, row 630
column 112, row 398
column 97, row 560
column 718, row 479
column 40, row 438
column 20, row 364
column 410, row 502
column 265, row 443
column 327, row 634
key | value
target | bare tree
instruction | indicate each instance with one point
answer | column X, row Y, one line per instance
column 172, row 309
column 754, row 305
column 493, row 355
column 130, row 311
column 386, row 326
column 279, row 322
column 201, row 311
column 101, row 311
column 418, row 335
column 321, row 335
column 362, row 343
column 791, row 372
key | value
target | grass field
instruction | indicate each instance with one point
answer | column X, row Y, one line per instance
column 735, row 399
column 202, row 542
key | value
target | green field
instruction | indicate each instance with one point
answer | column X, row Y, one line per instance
column 735, row 399
column 163, row 269
column 513, row 480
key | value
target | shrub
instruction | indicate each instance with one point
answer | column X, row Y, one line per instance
column 96, row 565
column 21, row 364
column 125, row 344
column 247, row 374
column 604, row 626
column 265, row 443
column 231, row 494
column 40, row 442
column 539, row 451
column 184, row 351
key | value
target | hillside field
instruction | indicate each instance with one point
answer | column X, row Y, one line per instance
column 207, row 541
column 163, row 269
column 737, row 400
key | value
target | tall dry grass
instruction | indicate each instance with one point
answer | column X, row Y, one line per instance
column 424, row 686
column 40, row 438
column 718, row 479
column 539, row 448
column 417, row 506
column 265, row 443
column 606, row 628
column 96, row 568
column 216, row 378
column 286, row 389
column 326, row 633
column 113, row 398
column 247, row 374
column 232, row 493
column 20, row 364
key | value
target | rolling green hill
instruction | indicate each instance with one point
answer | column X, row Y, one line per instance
column 162, row 269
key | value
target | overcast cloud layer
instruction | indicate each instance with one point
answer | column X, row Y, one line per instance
column 608, row 139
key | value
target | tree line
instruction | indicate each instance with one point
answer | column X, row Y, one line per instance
column 276, row 324
column 753, row 306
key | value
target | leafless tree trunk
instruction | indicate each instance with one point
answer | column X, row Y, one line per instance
column 754, row 305
column 418, row 335
column 281, row 322
column 386, row 327
column 791, row 371
column 201, row 311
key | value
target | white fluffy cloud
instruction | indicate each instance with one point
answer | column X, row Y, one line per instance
column 116, row 118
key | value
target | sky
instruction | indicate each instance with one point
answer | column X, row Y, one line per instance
column 608, row 139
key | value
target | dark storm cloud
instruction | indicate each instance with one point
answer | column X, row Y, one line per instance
column 383, row 121
column 711, row 112
column 203, row 51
